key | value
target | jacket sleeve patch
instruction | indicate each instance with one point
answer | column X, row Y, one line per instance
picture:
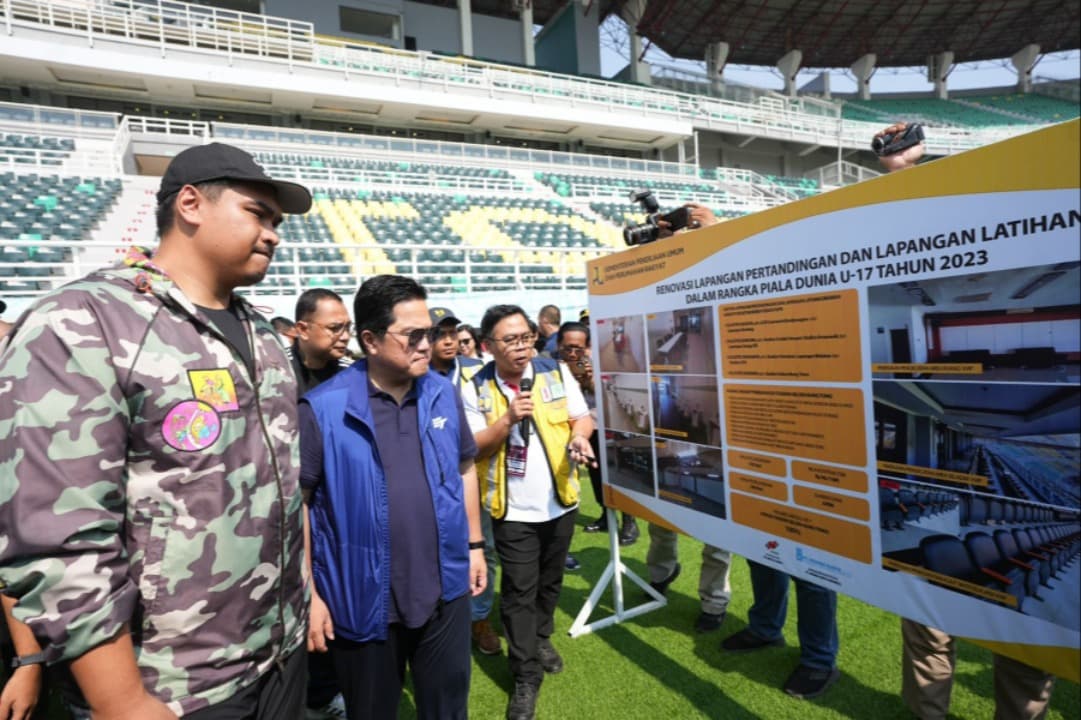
column 191, row 425
column 215, row 388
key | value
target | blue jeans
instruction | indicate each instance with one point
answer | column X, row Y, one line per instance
column 816, row 622
column 481, row 605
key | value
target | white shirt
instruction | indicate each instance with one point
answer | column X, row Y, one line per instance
column 531, row 498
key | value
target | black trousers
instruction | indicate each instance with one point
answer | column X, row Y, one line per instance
column 371, row 674
column 277, row 695
column 322, row 684
column 532, row 556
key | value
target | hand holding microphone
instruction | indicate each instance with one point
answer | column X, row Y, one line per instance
column 526, row 386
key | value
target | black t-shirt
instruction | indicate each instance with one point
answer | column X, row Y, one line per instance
column 229, row 323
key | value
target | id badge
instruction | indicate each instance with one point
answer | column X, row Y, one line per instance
column 516, row 462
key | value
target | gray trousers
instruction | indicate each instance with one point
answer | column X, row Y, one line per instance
column 713, row 588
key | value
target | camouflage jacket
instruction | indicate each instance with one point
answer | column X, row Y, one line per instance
column 146, row 479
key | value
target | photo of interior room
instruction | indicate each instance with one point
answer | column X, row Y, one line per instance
column 620, row 343
column 691, row 476
column 629, row 461
column 1020, row 325
column 681, row 341
column 686, row 407
column 626, row 403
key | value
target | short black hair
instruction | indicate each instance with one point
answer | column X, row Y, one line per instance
column 572, row 326
column 373, row 306
column 281, row 323
column 495, row 313
column 308, row 302
column 165, row 215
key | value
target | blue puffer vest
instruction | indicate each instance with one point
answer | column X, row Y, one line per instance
column 350, row 527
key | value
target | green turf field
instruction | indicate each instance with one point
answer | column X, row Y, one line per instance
column 654, row 667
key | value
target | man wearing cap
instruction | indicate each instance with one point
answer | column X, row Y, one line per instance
column 151, row 528
column 460, row 369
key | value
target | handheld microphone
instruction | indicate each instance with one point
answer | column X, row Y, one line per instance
column 523, row 425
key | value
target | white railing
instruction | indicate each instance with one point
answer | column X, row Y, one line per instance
column 57, row 122
column 432, row 182
column 841, row 173
column 165, row 22
column 167, row 126
column 371, row 147
column 291, row 275
column 208, row 30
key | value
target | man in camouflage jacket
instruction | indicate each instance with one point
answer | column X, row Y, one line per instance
column 150, row 514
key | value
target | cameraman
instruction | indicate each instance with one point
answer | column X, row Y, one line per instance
column 928, row 654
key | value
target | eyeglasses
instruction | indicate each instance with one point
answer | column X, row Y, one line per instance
column 572, row 349
column 515, row 340
column 337, row 328
column 465, row 341
column 413, row 338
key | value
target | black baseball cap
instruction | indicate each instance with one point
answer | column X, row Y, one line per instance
column 441, row 315
column 218, row 161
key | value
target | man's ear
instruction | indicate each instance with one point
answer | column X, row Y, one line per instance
column 189, row 205
column 301, row 329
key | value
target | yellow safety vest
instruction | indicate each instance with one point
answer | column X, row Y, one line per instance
column 553, row 429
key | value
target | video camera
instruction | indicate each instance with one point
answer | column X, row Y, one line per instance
column 649, row 230
column 896, row 142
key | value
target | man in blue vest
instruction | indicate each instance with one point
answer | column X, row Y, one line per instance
column 395, row 540
column 532, row 428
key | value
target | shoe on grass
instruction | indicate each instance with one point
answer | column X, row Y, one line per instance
column 571, row 563
column 808, row 682
column 598, row 525
column 747, row 641
column 708, row 622
column 523, row 701
column 549, row 657
column 485, row 638
column 661, row 586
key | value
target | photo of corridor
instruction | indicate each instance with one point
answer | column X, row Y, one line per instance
column 620, row 344
column 691, row 476
column 629, row 461
column 686, row 408
column 681, row 341
column 1021, row 325
column 626, row 403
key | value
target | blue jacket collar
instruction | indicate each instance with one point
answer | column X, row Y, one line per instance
column 357, row 404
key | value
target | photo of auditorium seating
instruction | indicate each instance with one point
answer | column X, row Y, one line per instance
column 1018, row 554
column 620, row 344
column 691, row 476
column 629, row 460
column 1019, row 325
column 681, row 341
column 1011, row 441
column 685, row 407
column 626, row 402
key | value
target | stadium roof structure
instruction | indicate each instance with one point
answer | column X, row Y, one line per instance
column 835, row 33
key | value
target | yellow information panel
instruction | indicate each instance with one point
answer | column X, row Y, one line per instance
column 864, row 386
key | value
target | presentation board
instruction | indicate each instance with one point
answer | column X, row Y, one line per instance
column 875, row 389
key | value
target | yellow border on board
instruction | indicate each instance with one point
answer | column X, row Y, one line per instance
column 1042, row 160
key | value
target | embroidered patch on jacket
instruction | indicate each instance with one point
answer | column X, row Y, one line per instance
column 191, row 425
column 484, row 402
column 215, row 388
